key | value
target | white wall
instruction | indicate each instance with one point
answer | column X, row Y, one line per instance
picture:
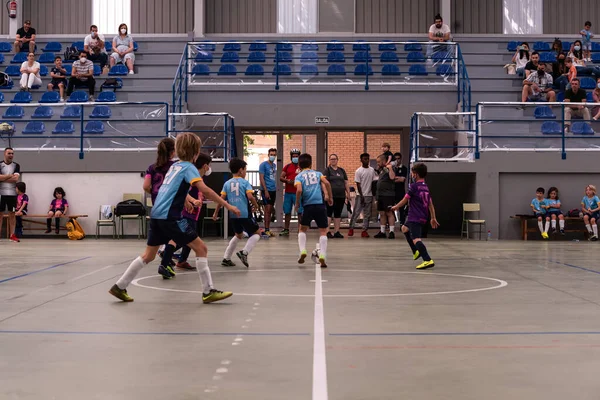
column 85, row 193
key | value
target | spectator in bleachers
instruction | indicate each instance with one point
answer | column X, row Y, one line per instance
column 82, row 75
column 59, row 78
column 576, row 55
column 521, row 58
column 93, row 44
column 586, row 36
column 123, row 49
column 25, row 39
column 560, row 72
column 575, row 95
column 533, row 64
column 557, row 47
column 30, row 73
column 596, row 95
column 438, row 33
column 538, row 86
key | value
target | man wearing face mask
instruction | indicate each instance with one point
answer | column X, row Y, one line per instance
column 266, row 171
column 538, row 86
column 288, row 175
column 82, row 75
column 93, row 44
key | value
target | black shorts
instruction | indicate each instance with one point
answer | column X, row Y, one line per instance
column 8, row 203
column 335, row 211
column 595, row 215
column 549, row 214
column 539, row 215
column 55, row 82
column 317, row 213
column 385, row 202
column 272, row 197
column 164, row 230
column 247, row 225
column 415, row 229
column 54, row 210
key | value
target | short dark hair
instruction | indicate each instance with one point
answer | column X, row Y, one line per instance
column 57, row 58
column 386, row 144
column 398, row 154
column 83, row 52
column 59, row 190
column 534, row 53
column 272, row 149
column 93, row 26
column 8, row 148
column 438, row 16
column 365, row 155
column 540, row 190
column 235, row 164
column 575, row 79
column 21, row 186
column 27, row 22
column 420, row 169
column 202, row 160
column 305, row 160
column 587, row 23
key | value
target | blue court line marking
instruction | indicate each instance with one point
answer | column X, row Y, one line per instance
column 42, row 270
column 465, row 333
column 575, row 266
column 153, row 333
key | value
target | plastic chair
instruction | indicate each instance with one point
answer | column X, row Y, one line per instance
column 417, row 69
column 256, row 57
column 309, row 57
column 78, row 96
column 361, row 46
column 258, row 46
column 309, row 47
column 94, row 128
column 512, row 45
column 108, row 46
column 413, row 47
column 135, row 46
column 232, row 47
column 71, row 112
column 390, row 70
column 283, row 57
column 415, row 56
column 589, row 97
column 118, row 70
column 587, row 83
column 34, row 128
column 466, row 222
column 116, row 86
column 566, row 46
column 19, row 58
column 551, row 128
column 362, row 70
column 50, row 97
column 255, row 70
column 52, row 47
column 13, row 70
column 68, row 68
column 335, row 46
column 78, row 45
column 543, row 112
column 5, row 47
column 386, row 46
column 14, row 112
column 388, row 56
column 64, row 127
column 227, row 69
column 106, row 97
column 309, row 70
column 207, row 46
column 43, row 70
column 560, row 97
column 336, row 56
column 362, row 56
column 22, row 97
column 596, row 58
column 444, row 70
column 541, row 46
column 46, row 58
column 284, row 47
column 101, row 112
column 230, row 57
column 440, row 56
column 204, row 57
column 282, row 69
column 1, row 58
column 547, row 57
column 581, row 128
column 1, row 97
column 595, row 46
column 43, row 112
column 97, row 70
column 200, row 69
column 336, row 69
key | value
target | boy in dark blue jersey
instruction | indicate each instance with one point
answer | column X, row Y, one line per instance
column 420, row 206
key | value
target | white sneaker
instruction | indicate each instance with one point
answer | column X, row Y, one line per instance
column 131, row 72
column 62, row 100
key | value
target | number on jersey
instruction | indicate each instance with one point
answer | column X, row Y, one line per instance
column 235, row 188
column 311, row 178
column 173, row 171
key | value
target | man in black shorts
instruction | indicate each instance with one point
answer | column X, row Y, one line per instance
column 401, row 173
column 9, row 176
column 386, row 196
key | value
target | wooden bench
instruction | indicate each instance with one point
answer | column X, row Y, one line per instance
column 524, row 218
column 28, row 218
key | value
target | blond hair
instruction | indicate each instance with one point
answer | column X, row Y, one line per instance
column 592, row 188
column 187, row 146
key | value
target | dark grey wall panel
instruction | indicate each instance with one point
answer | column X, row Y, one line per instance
column 567, row 17
column 395, row 16
column 336, row 15
column 58, row 16
column 241, row 16
column 476, row 16
column 3, row 20
column 162, row 16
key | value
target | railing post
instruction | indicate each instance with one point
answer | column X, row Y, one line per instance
column 458, row 74
column 562, row 133
column 81, row 155
column 276, row 66
column 476, row 131
column 187, row 71
column 167, row 120
column 367, row 69
column 226, row 134
column 410, row 138
column 233, row 144
column 416, row 137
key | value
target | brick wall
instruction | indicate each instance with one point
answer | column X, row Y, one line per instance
column 348, row 146
column 374, row 143
column 296, row 142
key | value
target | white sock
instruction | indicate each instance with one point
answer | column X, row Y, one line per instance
column 323, row 247
column 595, row 228
column 548, row 226
column 561, row 223
column 134, row 268
column 204, row 274
column 392, row 228
column 231, row 247
column 589, row 228
column 302, row 241
column 251, row 243
column 382, row 228
column 541, row 226
column 553, row 224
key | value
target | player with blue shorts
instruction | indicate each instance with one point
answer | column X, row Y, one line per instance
column 288, row 176
column 538, row 205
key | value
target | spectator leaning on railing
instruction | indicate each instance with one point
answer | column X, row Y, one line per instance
column 93, row 44
column 438, row 33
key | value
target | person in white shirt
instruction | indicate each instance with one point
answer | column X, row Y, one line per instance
column 438, row 33
column 93, row 44
column 30, row 71
column 364, row 177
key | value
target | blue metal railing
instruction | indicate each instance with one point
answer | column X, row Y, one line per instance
column 180, row 84
column 464, row 83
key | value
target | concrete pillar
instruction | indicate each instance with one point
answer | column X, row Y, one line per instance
column 16, row 23
column 445, row 11
column 199, row 7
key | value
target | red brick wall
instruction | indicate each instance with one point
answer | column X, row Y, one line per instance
column 374, row 143
column 348, row 146
column 296, row 142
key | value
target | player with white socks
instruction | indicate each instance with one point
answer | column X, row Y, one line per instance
column 312, row 191
column 590, row 205
column 552, row 205
column 238, row 192
column 167, row 223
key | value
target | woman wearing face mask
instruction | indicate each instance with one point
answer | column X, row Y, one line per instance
column 521, row 58
column 576, row 55
column 123, row 49
column 340, row 189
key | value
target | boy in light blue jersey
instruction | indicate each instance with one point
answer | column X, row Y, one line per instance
column 538, row 205
column 590, row 205
column 238, row 192
column 312, row 191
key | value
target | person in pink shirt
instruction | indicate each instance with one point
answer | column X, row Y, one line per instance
column 58, row 208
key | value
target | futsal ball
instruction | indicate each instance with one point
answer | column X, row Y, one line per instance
column 6, row 128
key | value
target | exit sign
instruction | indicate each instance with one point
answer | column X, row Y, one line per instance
column 321, row 120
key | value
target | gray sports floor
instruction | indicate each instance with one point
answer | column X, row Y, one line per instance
column 496, row 320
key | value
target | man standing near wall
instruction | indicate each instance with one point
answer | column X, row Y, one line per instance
column 268, row 185
column 288, row 176
column 9, row 176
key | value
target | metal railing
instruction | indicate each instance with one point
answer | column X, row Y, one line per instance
column 464, row 83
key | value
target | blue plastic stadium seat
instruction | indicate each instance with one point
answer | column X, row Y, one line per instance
column 284, row 56
column 254, row 70
column 5, row 47
column 106, row 97
column 258, row 46
column 230, row 57
column 50, row 97
column 116, row 86
column 417, row 69
column 595, row 46
column 560, row 97
column 309, row 70
column 415, row 56
column 587, row 83
column 43, row 70
column 71, row 112
column 541, row 46
column 52, row 47
column 227, row 69
column 361, row 46
column 201, row 69
column 362, row 70
column 68, row 68
column 336, row 69
column 256, row 57
column 97, row 70
column 94, row 127
column 551, row 128
column 444, row 70
column 547, row 57
column 581, row 128
column 596, row 58
column 284, row 47
column 19, row 58
column 589, row 97
column 387, row 46
column 118, row 70
column 208, row 46
column 413, row 47
column 441, row 56
column 282, row 69
column 309, row 57
column 1, row 58
column 204, row 57
column 78, row 45
column 362, row 56
column 512, row 45
column 13, row 70
column 309, row 47
column 14, row 112
column 64, row 127
column 566, row 46
column 34, row 128
column 101, row 112
column 1, row 97
column 388, row 56
column 22, row 97
column 336, row 56
column 108, row 46
column 78, row 96
column 46, row 58
column 135, row 46
column 233, row 46
column 43, row 112
column 543, row 112
column 335, row 46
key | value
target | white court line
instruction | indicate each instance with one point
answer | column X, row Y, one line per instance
column 319, row 391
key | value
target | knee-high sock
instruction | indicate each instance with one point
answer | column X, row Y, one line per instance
column 49, row 223
column 131, row 272
column 595, row 229
column 548, row 226
column 302, row 241
column 561, row 223
column 167, row 254
column 252, row 240
column 185, row 253
column 553, row 224
column 541, row 226
column 422, row 250
column 413, row 248
column 231, row 247
column 323, row 247
column 589, row 228
column 204, row 274
column 57, row 223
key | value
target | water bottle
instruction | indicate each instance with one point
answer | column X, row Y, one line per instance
column 489, row 235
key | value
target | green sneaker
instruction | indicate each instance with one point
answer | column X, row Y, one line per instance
column 416, row 255
column 227, row 263
column 303, row 255
column 215, row 295
column 120, row 294
column 166, row 272
column 285, row 232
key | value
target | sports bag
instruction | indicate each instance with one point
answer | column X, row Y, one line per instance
column 71, row 54
column 576, row 212
column 74, row 230
column 130, row 207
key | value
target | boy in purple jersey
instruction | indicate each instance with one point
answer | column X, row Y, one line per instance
column 420, row 206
